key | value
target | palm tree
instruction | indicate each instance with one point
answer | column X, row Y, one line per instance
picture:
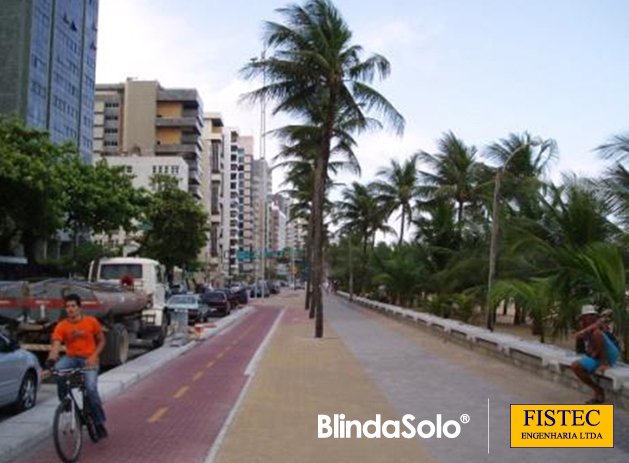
column 524, row 159
column 454, row 173
column 615, row 182
column 317, row 74
column 399, row 188
column 363, row 216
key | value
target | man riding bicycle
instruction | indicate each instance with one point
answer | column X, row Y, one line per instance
column 84, row 341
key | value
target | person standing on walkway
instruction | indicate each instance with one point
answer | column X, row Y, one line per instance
column 601, row 352
column 84, row 341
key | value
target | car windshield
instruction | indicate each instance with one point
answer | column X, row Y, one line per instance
column 182, row 300
column 215, row 296
column 117, row 271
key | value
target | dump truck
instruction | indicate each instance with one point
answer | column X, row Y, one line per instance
column 125, row 294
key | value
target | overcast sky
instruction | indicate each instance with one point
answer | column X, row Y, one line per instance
column 484, row 68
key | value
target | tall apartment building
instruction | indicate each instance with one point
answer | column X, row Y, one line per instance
column 232, row 204
column 145, row 119
column 213, row 141
column 247, row 223
column 261, row 192
column 48, row 66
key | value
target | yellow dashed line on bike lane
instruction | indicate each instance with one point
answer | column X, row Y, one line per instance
column 197, row 376
column 158, row 414
column 181, row 392
column 211, row 364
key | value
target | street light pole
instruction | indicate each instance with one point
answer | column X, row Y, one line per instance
column 495, row 231
column 262, row 190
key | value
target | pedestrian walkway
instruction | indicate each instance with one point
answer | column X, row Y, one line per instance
column 368, row 364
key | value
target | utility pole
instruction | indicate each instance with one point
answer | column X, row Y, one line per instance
column 260, row 259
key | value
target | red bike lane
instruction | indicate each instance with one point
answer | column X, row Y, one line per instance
column 176, row 413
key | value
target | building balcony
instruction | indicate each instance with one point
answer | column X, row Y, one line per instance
column 188, row 96
column 182, row 122
column 195, row 191
column 194, row 177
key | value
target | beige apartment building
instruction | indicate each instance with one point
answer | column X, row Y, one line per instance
column 213, row 154
column 143, row 118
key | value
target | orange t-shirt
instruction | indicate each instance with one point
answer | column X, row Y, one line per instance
column 79, row 338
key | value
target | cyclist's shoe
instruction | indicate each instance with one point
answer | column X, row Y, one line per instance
column 67, row 406
column 101, row 431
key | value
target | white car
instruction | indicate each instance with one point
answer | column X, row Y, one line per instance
column 20, row 376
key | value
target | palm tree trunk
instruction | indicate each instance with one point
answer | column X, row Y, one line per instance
column 321, row 169
column 351, row 270
column 309, row 260
column 402, row 227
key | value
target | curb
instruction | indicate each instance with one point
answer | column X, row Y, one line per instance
column 28, row 429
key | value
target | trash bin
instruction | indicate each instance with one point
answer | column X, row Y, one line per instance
column 179, row 321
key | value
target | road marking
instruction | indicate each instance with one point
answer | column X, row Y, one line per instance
column 220, row 355
column 211, row 364
column 158, row 414
column 197, row 376
column 180, row 393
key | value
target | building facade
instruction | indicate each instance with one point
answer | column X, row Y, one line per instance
column 48, row 67
column 143, row 118
column 261, row 185
column 213, row 141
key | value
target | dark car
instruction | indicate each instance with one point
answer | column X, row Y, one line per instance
column 218, row 302
column 274, row 288
column 198, row 310
column 231, row 295
column 259, row 289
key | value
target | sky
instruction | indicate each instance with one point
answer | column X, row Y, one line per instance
column 480, row 68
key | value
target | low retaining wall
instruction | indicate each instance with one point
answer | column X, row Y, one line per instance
column 549, row 361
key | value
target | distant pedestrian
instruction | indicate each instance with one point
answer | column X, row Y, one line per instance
column 601, row 352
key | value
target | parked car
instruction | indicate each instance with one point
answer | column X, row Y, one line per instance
column 243, row 295
column 218, row 302
column 259, row 290
column 274, row 288
column 198, row 310
column 231, row 295
column 20, row 376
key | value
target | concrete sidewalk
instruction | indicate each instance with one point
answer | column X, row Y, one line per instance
column 369, row 364
column 300, row 377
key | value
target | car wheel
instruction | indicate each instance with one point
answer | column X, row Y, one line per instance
column 28, row 393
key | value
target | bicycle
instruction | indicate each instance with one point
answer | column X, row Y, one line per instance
column 72, row 415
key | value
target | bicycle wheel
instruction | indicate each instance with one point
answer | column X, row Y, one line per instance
column 67, row 432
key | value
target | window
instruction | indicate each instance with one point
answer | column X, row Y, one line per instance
column 111, row 143
column 128, row 169
column 175, row 170
column 214, row 197
column 111, row 104
column 111, row 131
column 215, row 161
column 111, row 117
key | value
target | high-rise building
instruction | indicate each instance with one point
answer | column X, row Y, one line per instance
column 48, row 66
column 214, row 153
column 145, row 119
column 232, row 201
column 247, row 223
column 261, row 193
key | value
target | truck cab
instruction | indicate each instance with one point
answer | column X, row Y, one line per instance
column 144, row 275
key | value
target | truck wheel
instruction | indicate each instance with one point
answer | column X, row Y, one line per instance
column 117, row 348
